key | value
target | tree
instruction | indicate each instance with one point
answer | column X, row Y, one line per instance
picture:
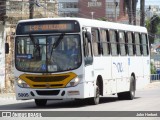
column 152, row 27
column 134, row 6
column 3, row 10
column 131, row 10
column 31, row 9
column 142, row 11
column 153, row 68
column 102, row 19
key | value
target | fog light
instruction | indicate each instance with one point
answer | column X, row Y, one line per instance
column 73, row 93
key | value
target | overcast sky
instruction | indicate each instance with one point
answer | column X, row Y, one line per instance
column 149, row 2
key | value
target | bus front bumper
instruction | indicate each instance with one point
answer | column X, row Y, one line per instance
column 57, row 93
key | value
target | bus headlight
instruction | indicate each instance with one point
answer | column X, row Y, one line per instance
column 22, row 83
column 75, row 81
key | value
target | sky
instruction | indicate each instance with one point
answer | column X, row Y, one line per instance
column 149, row 2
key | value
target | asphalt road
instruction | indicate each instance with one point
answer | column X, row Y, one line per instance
column 147, row 99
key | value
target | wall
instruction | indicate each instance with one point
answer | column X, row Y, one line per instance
column 92, row 8
column 2, row 58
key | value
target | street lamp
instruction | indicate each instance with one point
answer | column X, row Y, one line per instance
column 92, row 13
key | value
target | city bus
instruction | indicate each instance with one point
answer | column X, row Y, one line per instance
column 78, row 58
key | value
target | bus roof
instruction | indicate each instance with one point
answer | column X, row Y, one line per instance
column 94, row 23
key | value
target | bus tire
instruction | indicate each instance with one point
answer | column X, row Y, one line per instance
column 95, row 100
column 40, row 102
column 129, row 95
column 121, row 96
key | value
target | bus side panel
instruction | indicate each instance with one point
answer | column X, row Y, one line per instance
column 102, row 67
column 136, row 67
column 89, row 81
column 146, row 69
column 122, row 68
column 120, row 73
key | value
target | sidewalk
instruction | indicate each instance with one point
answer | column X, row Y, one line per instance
column 154, row 84
column 4, row 96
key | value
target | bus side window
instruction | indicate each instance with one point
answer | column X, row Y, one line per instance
column 114, row 47
column 137, row 44
column 130, row 43
column 96, row 42
column 144, row 44
column 87, row 50
column 122, row 43
column 105, row 43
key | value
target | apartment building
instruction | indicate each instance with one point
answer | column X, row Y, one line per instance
column 109, row 9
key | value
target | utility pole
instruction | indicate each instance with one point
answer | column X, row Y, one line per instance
column 31, row 9
column 134, row 4
column 22, row 10
column 45, row 8
column 116, row 4
column 130, row 12
column 142, row 11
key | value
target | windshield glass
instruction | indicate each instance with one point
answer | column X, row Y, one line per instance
column 48, row 53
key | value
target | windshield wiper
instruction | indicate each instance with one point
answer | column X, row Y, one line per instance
column 35, row 44
column 57, row 42
column 32, row 39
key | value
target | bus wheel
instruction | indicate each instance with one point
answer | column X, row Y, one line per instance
column 95, row 100
column 40, row 102
column 129, row 95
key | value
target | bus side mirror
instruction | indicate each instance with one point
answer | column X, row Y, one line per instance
column 6, row 48
column 88, row 36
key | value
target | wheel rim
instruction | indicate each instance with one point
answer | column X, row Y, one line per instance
column 97, row 96
column 132, row 92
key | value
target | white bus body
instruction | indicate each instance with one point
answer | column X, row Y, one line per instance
column 113, row 74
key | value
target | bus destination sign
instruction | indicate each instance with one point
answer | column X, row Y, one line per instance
column 45, row 27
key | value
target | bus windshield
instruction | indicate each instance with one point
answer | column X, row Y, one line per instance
column 55, row 53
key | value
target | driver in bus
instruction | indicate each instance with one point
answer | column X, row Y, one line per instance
column 72, row 52
column 72, row 48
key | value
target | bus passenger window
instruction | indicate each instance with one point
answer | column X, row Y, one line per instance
column 105, row 44
column 114, row 48
column 137, row 44
column 144, row 44
column 96, row 42
column 122, row 43
column 87, row 50
column 130, row 43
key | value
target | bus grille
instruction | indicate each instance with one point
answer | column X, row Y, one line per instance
column 48, row 81
column 54, row 85
column 48, row 78
column 48, row 92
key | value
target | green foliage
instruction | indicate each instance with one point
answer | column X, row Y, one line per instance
column 102, row 19
column 155, row 20
column 158, row 29
column 153, row 69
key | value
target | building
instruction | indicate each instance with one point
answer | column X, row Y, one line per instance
column 11, row 12
column 109, row 9
column 19, row 9
column 92, row 9
column 68, row 8
column 2, row 54
column 152, row 10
